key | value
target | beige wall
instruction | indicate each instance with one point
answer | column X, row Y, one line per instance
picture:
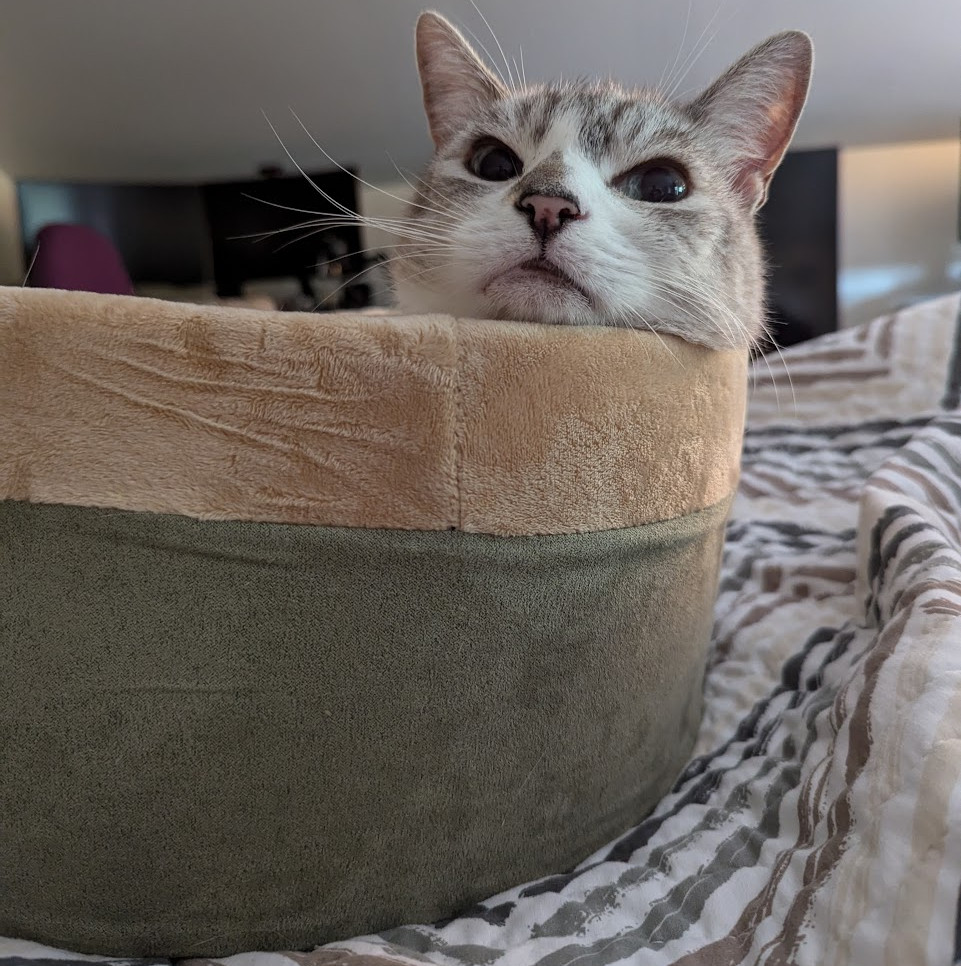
column 898, row 226
column 387, row 200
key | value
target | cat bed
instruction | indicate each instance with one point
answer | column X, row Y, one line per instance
column 314, row 625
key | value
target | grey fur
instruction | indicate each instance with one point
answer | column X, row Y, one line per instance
column 691, row 268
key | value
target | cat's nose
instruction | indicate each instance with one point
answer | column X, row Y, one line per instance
column 548, row 214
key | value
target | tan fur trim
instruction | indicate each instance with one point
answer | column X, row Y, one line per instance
column 422, row 423
column 594, row 428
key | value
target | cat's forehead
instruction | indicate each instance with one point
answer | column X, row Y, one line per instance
column 604, row 120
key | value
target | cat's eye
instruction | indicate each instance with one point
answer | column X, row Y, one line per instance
column 653, row 181
column 493, row 161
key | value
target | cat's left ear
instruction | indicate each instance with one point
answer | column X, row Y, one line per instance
column 455, row 80
column 754, row 108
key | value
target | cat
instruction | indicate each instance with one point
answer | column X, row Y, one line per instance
column 589, row 203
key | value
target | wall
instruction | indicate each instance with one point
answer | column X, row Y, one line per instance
column 167, row 85
column 898, row 226
column 386, row 199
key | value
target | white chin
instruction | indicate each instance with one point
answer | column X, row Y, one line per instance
column 525, row 298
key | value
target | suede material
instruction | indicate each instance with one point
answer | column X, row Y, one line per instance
column 223, row 736
column 423, row 423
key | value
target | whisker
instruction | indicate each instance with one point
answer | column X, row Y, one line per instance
column 357, row 178
column 407, row 181
column 696, row 51
column 455, row 206
column 358, row 275
column 390, row 225
column 700, row 304
column 663, row 82
column 276, row 204
column 787, row 372
column 511, row 84
column 680, row 290
column 682, row 95
column 777, row 395
column 627, row 316
column 318, row 231
column 719, row 316
column 349, row 281
column 393, row 226
column 316, row 223
column 330, row 200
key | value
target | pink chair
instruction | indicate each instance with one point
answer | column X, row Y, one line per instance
column 78, row 258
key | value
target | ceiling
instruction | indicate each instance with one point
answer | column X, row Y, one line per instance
column 171, row 89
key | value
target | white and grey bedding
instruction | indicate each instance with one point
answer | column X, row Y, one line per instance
column 821, row 819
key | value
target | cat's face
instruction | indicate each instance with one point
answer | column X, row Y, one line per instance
column 591, row 204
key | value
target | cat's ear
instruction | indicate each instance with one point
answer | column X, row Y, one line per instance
column 754, row 107
column 455, row 80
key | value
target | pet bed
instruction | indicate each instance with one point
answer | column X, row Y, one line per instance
column 316, row 625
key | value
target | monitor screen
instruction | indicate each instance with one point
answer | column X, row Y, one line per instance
column 255, row 233
column 159, row 230
column 798, row 228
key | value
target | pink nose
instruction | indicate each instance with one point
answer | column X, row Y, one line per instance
column 548, row 214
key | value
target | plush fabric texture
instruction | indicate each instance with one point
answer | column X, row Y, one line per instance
column 312, row 625
column 209, row 745
column 424, row 423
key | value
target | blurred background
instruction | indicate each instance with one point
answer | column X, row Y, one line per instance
column 147, row 123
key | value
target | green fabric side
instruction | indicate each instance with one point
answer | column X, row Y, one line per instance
column 217, row 737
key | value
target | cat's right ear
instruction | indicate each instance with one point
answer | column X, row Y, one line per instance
column 753, row 108
column 456, row 82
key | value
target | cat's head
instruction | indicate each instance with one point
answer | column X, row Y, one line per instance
column 594, row 204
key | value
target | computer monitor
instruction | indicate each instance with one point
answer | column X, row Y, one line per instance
column 253, row 229
column 159, row 229
column 799, row 227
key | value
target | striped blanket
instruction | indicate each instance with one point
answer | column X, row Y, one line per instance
column 820, row 821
